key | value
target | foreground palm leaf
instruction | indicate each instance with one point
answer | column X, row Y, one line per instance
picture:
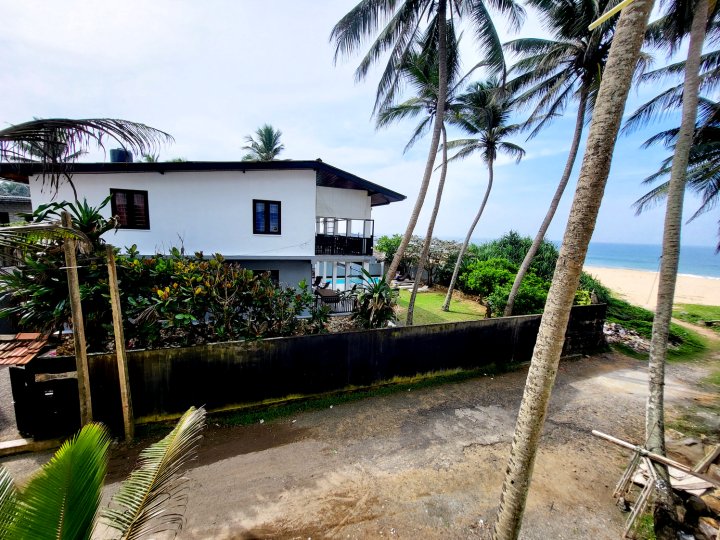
column 8, row 503
column 152, row 498
column 17, row 241
column 62, row 499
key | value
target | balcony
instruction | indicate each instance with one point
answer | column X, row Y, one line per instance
column 338, row 236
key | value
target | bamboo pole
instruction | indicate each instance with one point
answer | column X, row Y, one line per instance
column 123, row 377
column 81, row 360
column 655, row 457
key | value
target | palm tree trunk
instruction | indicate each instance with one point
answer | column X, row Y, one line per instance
column 434, row 143
column 463, row 249
column 606, row 120
column 654, row 414
column 431, row 227
column 525, row 266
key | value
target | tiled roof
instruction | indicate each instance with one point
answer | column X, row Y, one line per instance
column 19, row 350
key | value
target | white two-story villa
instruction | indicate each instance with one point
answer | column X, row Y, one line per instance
column 291, row 218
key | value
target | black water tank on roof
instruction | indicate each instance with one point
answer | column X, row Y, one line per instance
column 120, row 155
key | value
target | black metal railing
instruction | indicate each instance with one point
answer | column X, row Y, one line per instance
column 326, row 244
column 340, row 303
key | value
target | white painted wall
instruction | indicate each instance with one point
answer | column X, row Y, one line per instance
column 343, row 203
column 211, row 211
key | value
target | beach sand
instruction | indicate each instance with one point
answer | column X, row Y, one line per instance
column 639, row 287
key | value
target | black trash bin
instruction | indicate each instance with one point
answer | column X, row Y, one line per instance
column 46, row 406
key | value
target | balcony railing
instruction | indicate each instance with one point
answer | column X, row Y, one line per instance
column 343, row 245
column 337, row 236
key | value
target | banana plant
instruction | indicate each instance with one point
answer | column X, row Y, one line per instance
column 62, row 500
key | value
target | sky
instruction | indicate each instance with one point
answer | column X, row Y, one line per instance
column 210, row 73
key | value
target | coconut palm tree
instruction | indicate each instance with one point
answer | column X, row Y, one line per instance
column 484, row 111
column 683, row 18
column 421, row 73
column 54, row 141
column 265, row 145
column 604, row 127
column 552, row 73
column 62, row 500
column 404, row 23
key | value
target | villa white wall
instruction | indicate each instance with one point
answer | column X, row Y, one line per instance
column 211, row 211
column 343, row 203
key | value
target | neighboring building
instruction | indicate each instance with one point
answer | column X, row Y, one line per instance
column 287, row 217
column 11, row 206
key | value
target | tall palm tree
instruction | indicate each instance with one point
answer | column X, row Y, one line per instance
column 684, row 18
column 552, row 73
column 54, row 140
column 404, row 22
column 265, row 145
column 421, row 73
column 484, row 111
column 609, row 108
column 703, row 173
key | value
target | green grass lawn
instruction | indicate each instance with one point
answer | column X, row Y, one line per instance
column 697, row 314
column 427, row 308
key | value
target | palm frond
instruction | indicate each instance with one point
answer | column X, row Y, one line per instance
column 18, row 241
column 152, row 498
column 8, row 503
column 78, row 135
column 652, row 198
column 658, row 107
column 62, row 499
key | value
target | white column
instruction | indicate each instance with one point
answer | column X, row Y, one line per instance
column 334, row 275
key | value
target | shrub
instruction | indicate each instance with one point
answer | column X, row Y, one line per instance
column 530, row 299
column 177, row 300
column 167, row 300
column 590, row 284
column 485, row 276
column 376, row 303
column 514, row 247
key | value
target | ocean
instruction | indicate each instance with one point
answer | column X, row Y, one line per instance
column 694, row 260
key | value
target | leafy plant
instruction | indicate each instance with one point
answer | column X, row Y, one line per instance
column 530, row 299
column 376, row 303
column 85, row 218
column 62, row 499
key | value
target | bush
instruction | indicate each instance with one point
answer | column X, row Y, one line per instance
column 530, row 299
column 514, row 247
column 591, row 284
column 177, row 300
column 376, row 303
column 167, row 300
column 485, row 276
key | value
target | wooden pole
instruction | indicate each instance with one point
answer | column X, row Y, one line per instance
column 123, row 377
column 655, row 457
column 81, row 360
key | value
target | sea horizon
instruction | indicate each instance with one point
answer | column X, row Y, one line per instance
column 699, row 261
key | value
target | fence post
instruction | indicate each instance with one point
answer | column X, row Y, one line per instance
column 81, row 361
column 123, row 377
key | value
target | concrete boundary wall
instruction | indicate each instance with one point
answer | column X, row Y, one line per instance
column 167, row 381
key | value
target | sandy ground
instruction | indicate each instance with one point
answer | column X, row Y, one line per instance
column 640, row 287
column 421, row 464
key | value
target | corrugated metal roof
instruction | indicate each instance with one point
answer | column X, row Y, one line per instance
column 22, row 348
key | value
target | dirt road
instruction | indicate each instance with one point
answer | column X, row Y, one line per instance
column 422, row 464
